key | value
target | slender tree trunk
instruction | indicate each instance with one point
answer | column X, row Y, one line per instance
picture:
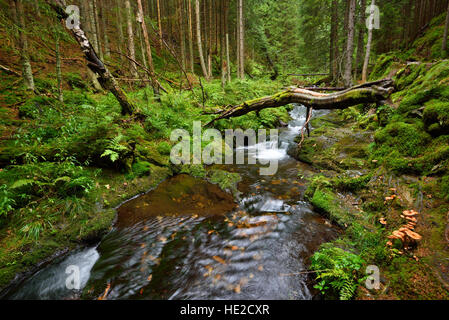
column 209, row 49
column 198, row 34
column 350, row 44
column 444, row 46
column 103, row 24
column 192, row 57
column 121, row 37
column 159, row 21
column 27, row 72
column 58, row 69
column 333, row 56
column 238, row 39
column 154, row 82
column 92, row 24
column 361, row 37
column 228, row 60
column 131, row 47
column 97, row 28
column 223, row 43
column 242, row 40
column 182, row 32
column 368, row 45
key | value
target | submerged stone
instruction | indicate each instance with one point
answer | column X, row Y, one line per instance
column 181, row 195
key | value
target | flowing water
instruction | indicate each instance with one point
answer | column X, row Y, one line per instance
column 258, row 250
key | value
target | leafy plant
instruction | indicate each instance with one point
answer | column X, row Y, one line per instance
column 337, row 271
column 114, row 148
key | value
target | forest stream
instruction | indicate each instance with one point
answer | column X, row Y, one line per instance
column 258, row 249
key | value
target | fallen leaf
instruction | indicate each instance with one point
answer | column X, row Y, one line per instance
column 219, row 260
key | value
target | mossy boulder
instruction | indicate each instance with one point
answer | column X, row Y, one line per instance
column 436, row 117
column 407, row 139
column 227, row 181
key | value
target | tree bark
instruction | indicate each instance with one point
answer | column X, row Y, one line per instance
column 154, row 82
column 198, row 35
column 27, row 72
column 360, row 40
column 366, row 93
column 159, row 21
column 241, row 41
column 350, row 44
column 93, row 62
column 58, row 69
column 192, row 58
column 333, row 55
column 368, row 44
column 444, row 46
column 131, row 47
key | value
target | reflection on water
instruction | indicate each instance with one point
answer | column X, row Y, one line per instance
column 255, row 251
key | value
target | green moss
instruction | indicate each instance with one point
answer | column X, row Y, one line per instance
column 353, row 184
column 141, row 168
column 381, row 67
column 436, row 117
column 195, row 170
column 445, row 187
column 164, row 148
column 227, row 181
column 407, row 139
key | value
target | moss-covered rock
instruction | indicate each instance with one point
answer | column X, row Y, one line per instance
column 436, row 117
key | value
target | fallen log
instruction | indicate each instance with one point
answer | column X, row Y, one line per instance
column 372, row 92
column 323, row 88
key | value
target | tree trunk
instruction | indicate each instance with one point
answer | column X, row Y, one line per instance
column 228, row 60
column 58, row 69
column 333, row 55
column 237, row 42
column 192, row 58
column 242, row 41
column 159, row 21
column 154, row 82
column 103, row 24
column 121, row 37
column 198, row 35
column 97, row 28
column 368, row 44
column 367, row 93
column 360, row 40
column 27, row 72
column 93, row 62
column 350, row 44
column 92, row 25
column 131, row 47
column 444, row 46
column 182, row 32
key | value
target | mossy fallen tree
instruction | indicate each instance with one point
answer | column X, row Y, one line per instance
column 372, row 92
